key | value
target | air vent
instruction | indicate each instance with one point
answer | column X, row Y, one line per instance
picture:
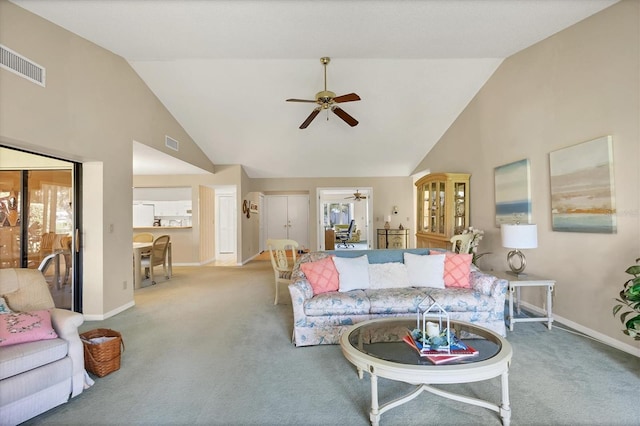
column 18, row 64
column 171, row 143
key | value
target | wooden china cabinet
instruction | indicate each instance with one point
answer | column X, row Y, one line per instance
column 443, row 208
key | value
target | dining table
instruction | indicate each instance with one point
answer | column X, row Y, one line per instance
column 138, row 249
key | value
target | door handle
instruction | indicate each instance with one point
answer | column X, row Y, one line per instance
column 77, row 239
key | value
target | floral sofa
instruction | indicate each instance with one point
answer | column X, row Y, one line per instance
column 322, row 318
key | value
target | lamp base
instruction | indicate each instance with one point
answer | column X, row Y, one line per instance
column 516, row 270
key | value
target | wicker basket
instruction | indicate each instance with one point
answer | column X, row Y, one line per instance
column 102, row 358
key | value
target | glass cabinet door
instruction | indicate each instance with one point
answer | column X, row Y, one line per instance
column 460, row 204
column 443, row 208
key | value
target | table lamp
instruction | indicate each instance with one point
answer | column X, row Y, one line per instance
column 518, row 236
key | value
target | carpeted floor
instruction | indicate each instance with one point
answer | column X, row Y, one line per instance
column 209, row 347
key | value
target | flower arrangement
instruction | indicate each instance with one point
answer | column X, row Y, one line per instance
column 478, row 234
column 433, row 341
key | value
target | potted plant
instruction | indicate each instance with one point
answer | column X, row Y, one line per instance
column 630, row 302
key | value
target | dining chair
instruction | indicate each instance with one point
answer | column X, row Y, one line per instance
column 461, row 243
column 143, row 237
column 281, row 263
column 157, row 257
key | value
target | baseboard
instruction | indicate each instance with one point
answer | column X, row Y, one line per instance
column 602, row 338
column 244, row 262
column 110, row 313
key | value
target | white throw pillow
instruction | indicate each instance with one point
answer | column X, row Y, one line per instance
column 388, row 275
column 353, row 273
column 425, row 271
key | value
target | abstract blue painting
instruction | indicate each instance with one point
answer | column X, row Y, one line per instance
column 513, row 193
column 582, row 191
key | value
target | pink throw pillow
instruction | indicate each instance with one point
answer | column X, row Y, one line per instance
column 322, row 275
column 457, row 268
column 22, row 327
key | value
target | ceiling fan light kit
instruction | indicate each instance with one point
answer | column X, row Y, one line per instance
column 327, row 100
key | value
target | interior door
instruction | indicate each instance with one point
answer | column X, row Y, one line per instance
column 277, row 228
column 298, row 219
column 226, row 228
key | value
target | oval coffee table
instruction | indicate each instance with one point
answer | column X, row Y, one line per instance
column 376, row 346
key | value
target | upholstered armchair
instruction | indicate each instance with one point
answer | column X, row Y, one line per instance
column 37, row 375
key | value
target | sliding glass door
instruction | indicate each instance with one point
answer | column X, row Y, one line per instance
column 38, row 221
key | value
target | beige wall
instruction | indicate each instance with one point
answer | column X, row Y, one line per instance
column 91, row 110
column 387, row 192
column 576, row 86
column 201, row 242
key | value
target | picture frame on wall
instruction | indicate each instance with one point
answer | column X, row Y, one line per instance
column 582, row 187
column 253, row 207
column 513, row 192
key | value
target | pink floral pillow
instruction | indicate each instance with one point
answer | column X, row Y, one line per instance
column 457, row 268
column 22, row 327
column 322, row 275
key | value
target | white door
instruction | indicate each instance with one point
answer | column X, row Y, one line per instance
column 298, row 219
column 277, row 217
column 287, row 217
column 261, row 217
column 226, row 228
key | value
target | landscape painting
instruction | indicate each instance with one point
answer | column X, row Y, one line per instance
column 582, row 191
column 513, row 193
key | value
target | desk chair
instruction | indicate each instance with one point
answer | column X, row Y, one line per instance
column 345, row 236
column 157, row 256
column 282, row 266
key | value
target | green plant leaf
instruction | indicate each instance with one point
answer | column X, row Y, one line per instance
column 633, row 270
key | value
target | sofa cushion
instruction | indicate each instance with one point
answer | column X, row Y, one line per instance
column 25, row 289
column 396, row 300
column 36, row 386
column 388, row 275
column 459, row 299
column 16, row 359
column 425, row 271
column 21, row 327
column 353, row 273
column 353, row 302
column 322, row 275
column 457, row 268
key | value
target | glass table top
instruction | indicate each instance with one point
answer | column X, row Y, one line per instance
column 383, row 340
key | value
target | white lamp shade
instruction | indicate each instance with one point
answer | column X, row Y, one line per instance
column 519, row 236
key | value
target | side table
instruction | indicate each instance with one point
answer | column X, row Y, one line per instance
column 515, row 283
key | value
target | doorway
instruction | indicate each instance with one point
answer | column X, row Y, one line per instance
column 337, row 207
column 39, row 216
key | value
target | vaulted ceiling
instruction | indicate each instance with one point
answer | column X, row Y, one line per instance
column 224, row 69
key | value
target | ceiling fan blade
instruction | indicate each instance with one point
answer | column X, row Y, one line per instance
column 301, row 100
column 310, row 118
column 346, row 98
column 346, row 117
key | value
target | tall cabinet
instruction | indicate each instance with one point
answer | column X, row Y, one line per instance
column 443, row 208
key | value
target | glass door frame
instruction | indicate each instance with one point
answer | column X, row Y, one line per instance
column 76, row 252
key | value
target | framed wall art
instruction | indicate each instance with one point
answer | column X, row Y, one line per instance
column 582, row 190
column 513, row 192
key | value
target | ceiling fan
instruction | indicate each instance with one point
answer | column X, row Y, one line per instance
column 327, row 100
column 357, row 196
